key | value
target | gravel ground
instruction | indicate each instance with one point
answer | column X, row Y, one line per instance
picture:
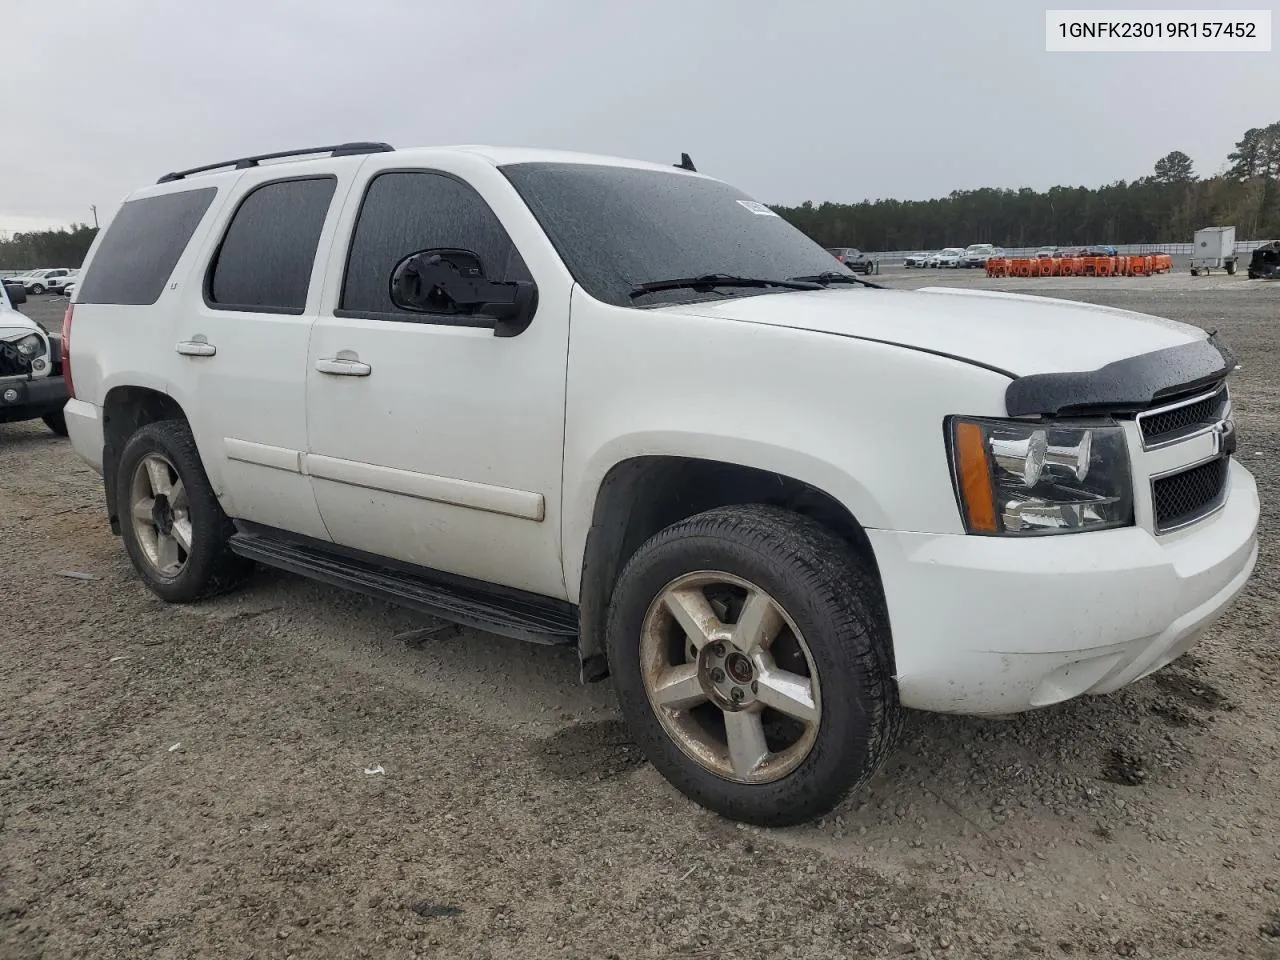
column 278, row 773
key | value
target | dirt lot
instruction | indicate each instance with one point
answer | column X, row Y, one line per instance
column 182, row 782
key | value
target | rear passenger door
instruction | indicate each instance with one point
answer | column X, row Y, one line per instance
column 241, row 343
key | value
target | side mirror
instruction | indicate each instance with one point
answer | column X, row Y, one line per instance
column 453, row 282
column 17, row 293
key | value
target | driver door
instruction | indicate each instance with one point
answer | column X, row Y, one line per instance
column 430, row 440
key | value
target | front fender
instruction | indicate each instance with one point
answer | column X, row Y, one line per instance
column 750, row 452
column 861, row 421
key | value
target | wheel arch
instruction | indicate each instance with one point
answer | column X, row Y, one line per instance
column 125, row 410
column 644, row 494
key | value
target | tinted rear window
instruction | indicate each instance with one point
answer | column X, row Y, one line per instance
column 265, row 259
column 142, row 246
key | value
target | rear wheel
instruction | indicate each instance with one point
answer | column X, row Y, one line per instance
column 752, row 663
column 173, row 527
column 1231, row 268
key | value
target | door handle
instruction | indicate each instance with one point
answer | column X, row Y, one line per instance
column 339, row 367
column 196, row 348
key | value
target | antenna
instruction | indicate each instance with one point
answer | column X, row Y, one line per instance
column 685, row 163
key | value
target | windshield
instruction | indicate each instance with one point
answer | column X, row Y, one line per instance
column 951, row 251
column 619, row 227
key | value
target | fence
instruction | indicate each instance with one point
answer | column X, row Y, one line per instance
column 1243, row 249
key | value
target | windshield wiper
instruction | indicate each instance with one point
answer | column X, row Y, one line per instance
column 710, row 281
column 831, row 276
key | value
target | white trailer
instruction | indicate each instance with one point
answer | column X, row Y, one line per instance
column 1214, row 247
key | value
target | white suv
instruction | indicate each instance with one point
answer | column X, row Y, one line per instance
column 43, row 281
column 626, row 407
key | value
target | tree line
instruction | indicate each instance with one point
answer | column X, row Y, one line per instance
column 1166, row 206
column 32, row 249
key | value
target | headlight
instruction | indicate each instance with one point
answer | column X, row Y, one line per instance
column 1015, row 478
column 30, row 346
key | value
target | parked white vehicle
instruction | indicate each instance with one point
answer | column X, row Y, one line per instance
column 977, row 254
column 913, row 513
column 949, row 258
column 43, row 281
column 58, row 282
column 31, row 384
column 915, row 260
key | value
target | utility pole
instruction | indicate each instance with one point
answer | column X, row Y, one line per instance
column 94, row 208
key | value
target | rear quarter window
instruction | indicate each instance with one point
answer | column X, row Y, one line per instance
column 141, row 247
column 265, row 260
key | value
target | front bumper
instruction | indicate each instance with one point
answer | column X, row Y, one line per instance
column 988, row 625
column 34, row 397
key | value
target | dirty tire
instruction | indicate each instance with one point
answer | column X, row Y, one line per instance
column 57, row 422
column 834, row 601
column 211, row 568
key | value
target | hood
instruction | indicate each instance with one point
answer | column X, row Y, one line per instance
column 1017, row 334
column 14, row 324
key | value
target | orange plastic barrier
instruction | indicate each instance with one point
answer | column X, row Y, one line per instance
column 1080, row 266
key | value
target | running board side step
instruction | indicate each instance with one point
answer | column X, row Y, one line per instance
column 500, row 610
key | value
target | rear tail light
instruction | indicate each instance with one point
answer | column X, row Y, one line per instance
column 66, row 348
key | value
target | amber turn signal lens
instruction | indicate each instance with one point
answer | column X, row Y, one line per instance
column 974, row 474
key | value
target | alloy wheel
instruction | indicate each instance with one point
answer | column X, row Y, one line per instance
column 730, row 677
column 161, row 515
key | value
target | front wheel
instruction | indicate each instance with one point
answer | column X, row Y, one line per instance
column 57, row 422
column 752, row 661
column 37, row 289
column 173, row 527
column 1231, row 268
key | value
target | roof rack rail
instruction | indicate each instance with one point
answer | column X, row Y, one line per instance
column 244, row 163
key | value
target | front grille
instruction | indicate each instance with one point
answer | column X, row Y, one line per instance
column 1185, row 497
column 1167, row 425
column 12, row 363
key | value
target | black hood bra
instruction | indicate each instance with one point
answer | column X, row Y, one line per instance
column 1125, row 386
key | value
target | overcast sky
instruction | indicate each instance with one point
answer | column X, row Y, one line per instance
column 836, row 100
